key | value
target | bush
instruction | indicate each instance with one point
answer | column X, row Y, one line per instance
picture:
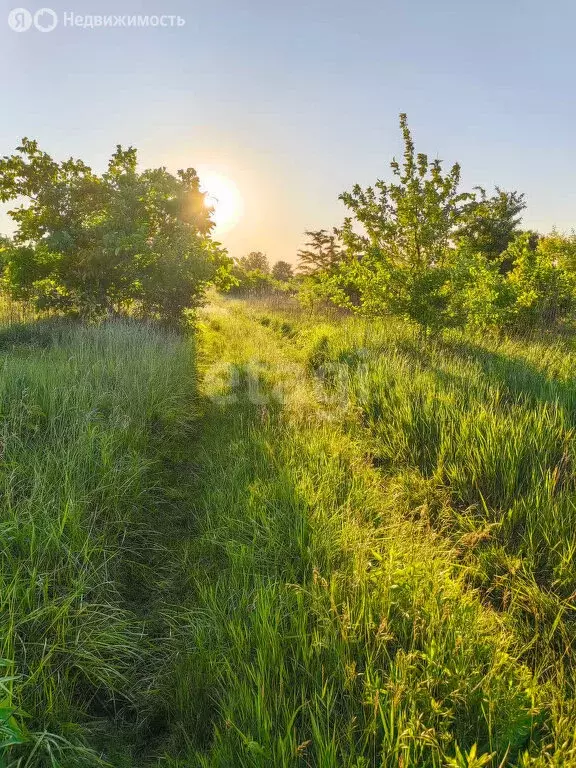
column 478, row 295
column 255, row 282
column 542, row 292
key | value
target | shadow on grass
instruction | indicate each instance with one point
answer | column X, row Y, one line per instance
column 43, row 333
column 521, row 380
column 235, row 524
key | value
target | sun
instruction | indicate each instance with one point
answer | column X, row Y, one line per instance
column 223, row 196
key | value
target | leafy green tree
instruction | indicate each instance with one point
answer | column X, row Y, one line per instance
column 490, row 224
column 255, row 261
column 282, row 271
column 251, row 275
column 96, row 244
column 322, row 253
column 411, row 220
column 419, row 247
column 400, row 234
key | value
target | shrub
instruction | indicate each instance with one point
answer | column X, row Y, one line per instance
column 542, row 292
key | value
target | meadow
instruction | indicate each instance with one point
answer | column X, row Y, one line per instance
column 85, row 413
column 290, row 538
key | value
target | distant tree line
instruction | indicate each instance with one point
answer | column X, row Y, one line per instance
column 418, row 246
column 252, row 275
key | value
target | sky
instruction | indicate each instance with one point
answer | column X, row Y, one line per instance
column 294, row 102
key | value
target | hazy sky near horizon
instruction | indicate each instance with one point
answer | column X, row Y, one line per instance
column 296, row 101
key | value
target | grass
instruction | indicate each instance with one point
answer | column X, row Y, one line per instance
column 477, row 438
column 324, row 626
column 82, row 413
column 343, row 547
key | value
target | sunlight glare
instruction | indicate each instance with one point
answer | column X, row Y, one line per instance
column 224, row 197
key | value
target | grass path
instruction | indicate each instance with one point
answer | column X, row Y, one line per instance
column 312, row 625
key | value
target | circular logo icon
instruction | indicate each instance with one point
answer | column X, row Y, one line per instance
column 19, row 20
column 45, row 20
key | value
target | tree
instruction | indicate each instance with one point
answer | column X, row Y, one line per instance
column 255, row 261
column 322, row 252
column 411, row 221
column 282, row 271
column 419, row 247
column 490, row 224
column 94, row 244
column 399, row 235
column 251, row 275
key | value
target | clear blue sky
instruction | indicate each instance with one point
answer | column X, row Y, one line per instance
column 296, row 101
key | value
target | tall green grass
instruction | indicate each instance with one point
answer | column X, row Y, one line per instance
column 478, row 437
column 84, row 413
column 473, row 439
column 351, row 547
column 323, row 625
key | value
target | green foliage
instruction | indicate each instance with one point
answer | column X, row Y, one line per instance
column 544, row 293
column 325, row 274
column 421, row 295
column 419, row 248
column 478, row 295
column 5, row 244
column 410, row 221
column 560, row 250
column 95, row 244
column 282, row 271
column 321, row 254
column 323, row 290
column 490, row 224
column 252, row 276
column 396, row 261
column 255, row 261
column 522, row 290
column 252, row 282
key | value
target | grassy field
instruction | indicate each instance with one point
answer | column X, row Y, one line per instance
column 307, row 542
column 85, row 413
